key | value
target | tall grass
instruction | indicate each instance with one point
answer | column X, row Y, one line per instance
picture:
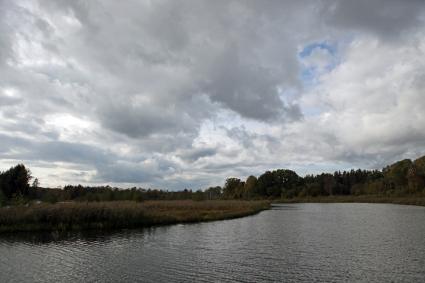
column 120, row 214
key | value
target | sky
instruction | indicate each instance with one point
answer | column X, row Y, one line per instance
column 183, row 94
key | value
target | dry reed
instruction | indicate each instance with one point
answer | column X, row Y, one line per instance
column 120, row 214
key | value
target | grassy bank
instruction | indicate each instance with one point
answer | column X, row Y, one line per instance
column 120, row 214
column 409, row 200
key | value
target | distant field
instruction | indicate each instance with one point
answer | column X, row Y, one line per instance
column 120, row 214
column 409, row 200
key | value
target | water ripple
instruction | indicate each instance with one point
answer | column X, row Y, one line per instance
column 291, row 242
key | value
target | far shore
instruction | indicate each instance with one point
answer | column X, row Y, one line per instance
column 407, row 200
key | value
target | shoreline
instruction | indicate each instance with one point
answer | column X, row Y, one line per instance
column 75, row 216
column 116, row 215
column 403, row 200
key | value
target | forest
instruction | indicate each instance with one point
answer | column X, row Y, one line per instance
column 403, row 178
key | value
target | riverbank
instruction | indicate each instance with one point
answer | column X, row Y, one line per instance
column 408, row 200
column 120, row 214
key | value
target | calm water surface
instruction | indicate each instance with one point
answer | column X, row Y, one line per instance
column 296, row 242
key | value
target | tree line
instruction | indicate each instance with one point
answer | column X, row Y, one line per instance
column 401, row 178
column 15, row 188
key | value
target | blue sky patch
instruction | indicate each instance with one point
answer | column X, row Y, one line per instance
column 310, row 73
column 308, row 49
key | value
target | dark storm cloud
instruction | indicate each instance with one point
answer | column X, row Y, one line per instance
column 26, row 149
column 194, row 154
column 5, row 29
column 145, row 120
column 387, row 18
column 109, row 166
column 247, row 89
column 221, row 63
column 126, row 173
column 147, row 171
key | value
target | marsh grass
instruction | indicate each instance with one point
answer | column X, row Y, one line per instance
column 407, row 200
column 120, row 214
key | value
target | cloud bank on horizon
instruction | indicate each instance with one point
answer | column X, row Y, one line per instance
column 175, row 94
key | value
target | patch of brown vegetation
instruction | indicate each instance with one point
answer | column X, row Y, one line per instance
column 120, row 214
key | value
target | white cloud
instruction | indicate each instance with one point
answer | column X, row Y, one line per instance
column 185, row 94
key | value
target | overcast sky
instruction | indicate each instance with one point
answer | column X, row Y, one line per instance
column 182, row 94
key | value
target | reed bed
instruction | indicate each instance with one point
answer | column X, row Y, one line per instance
column 120, row 214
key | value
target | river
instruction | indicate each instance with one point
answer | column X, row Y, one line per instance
column 290, row 242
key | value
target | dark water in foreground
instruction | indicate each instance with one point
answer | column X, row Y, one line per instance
column 297, row 242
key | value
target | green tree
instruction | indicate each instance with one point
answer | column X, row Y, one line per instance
column 288, row 182
column 35, row 183
column 416, row 175
column 198, row 195
column 213, row 192
column 265, row 184
column 396, row 174
column 250, row 187
column 15, row 181
column 231, row 188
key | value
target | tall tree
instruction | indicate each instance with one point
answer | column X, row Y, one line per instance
column 250, row 188
column 230, row 189
column 15, row 181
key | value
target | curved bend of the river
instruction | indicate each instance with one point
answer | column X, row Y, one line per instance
column 291, row 242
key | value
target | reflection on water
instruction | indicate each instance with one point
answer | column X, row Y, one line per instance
column 284, row 207
column 291, row 242
column 39, row 238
